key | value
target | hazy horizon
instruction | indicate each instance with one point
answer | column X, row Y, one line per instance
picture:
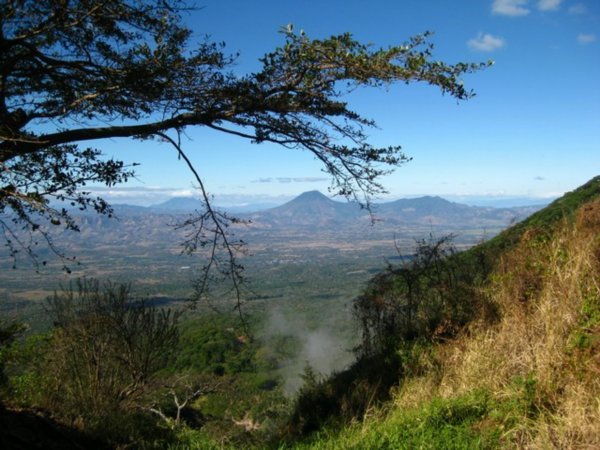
column 158, row 197
column 531, row 131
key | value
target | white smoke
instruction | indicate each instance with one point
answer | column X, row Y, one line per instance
column 321, row 345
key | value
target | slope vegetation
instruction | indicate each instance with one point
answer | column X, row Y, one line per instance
column 521, row 371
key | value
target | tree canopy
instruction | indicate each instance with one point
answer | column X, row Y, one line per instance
column 75, row 71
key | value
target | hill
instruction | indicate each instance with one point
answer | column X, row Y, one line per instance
column 177, row 205
column 472, row 352
column 438, row 211
column 309, row 210
column 549, row 217
column 315, row 210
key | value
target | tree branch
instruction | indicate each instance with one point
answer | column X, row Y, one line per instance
column 220, row 237
column 9, row 150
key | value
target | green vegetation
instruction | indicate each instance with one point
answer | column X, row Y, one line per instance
column 493, row 347
column 460, row 423
column 477, row 349
column 98, row 362
column 430, row 297
column 481, row 349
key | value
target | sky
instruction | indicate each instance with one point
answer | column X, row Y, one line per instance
column 532, row 131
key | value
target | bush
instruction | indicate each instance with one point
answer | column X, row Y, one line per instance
column 101, row 359
column 432, row 296
column 9, row 332
column 343, row 396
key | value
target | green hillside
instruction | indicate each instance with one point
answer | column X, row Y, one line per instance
column 510, row 361
column 546, row 219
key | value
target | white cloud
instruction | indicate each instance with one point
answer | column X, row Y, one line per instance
column 578, row 8
column 588, row 38
column 184, row 193
column 549, row 5
column 513, row 8
column 486, row 43
column 140, row 195
column 291, row 180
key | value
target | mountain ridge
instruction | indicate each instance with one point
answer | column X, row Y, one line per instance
column 188, row 204
column 313, row 209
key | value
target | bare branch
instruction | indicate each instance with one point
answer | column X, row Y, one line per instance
column 217, row 223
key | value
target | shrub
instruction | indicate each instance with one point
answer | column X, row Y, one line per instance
column 103, row 354
column 429, row 297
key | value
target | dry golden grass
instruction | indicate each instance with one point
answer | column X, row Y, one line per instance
column 541, row 288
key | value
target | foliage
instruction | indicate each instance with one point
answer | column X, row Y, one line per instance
column 30, row 182
column 9, row 331
column 29, row 429
column 344, row 396
column 457, row 423
column 246, row 402
column 125, row 340
column 586, row 336
column 430, row 296
column 100, row 359
column 215, row 343
column 27, row 369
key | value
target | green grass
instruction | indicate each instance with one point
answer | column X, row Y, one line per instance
column 544, row 220
column 458, row 423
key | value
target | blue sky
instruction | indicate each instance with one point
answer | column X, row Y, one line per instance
column 533, row 130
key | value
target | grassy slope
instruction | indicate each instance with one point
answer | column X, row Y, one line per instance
column 530, row 380
column 545, row 219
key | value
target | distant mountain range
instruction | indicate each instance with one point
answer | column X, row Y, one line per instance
column 314, row 210
column 145, row 243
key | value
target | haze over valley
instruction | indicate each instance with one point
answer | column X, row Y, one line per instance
column 310, row 248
